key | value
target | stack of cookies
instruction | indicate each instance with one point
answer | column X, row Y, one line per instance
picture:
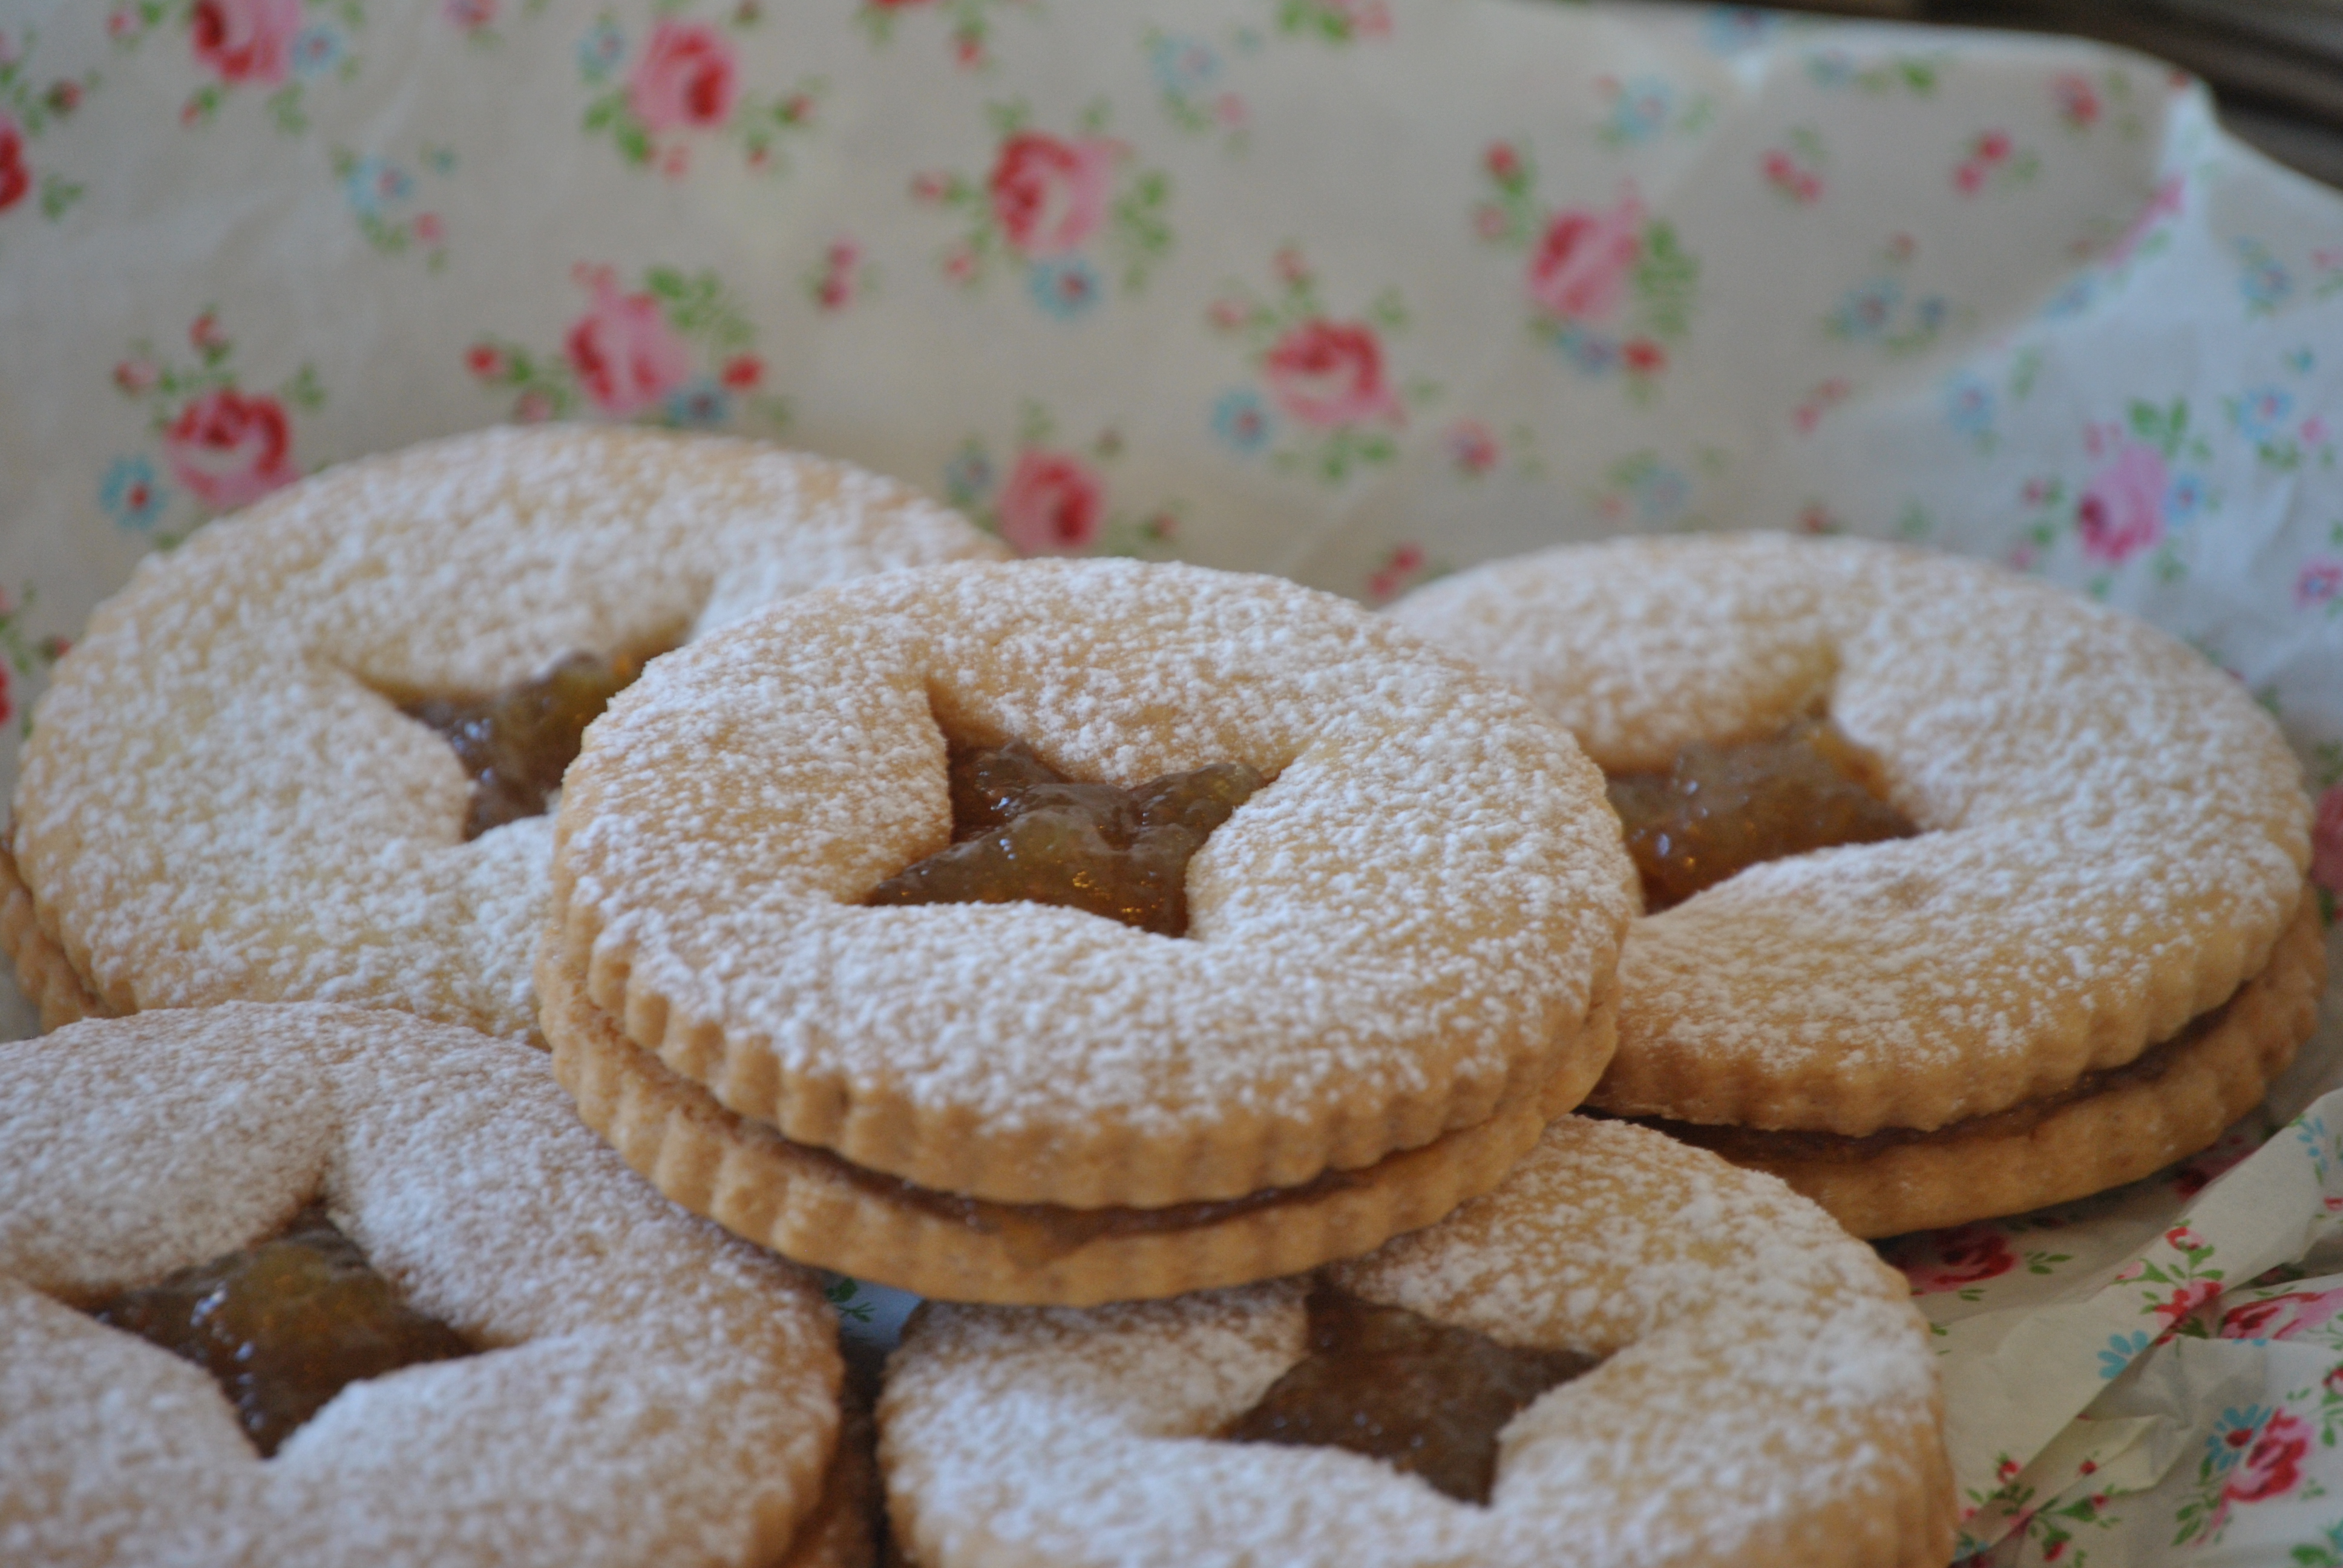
column 1191, row 972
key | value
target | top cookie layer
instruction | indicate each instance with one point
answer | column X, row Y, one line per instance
column 220, row 799
column 648, row 1390
column 1401, row 932
column 2114, row 834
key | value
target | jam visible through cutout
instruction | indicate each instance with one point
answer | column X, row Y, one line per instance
column 284, row 1325
column 516, row 744
column 1720, row 809
column 1022, row 831
column 1423, row 1397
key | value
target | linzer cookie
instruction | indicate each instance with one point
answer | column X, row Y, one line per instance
column 1074, row 930
column 1964, row 895
column 309, row 1284
column 1629, row 1353
column 308, row 754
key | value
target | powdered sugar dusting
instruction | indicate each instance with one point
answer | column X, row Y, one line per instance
column 2115, row 833
column 1767, row 1387
column 656, row 1391
column 1416, row 911
column 220, row 801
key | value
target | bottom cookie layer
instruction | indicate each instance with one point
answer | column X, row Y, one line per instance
column 2176, row 1100
column 808, row 1204
column 47, row 977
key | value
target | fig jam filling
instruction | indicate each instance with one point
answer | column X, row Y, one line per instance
column 284, row 1325
column 516, row 744
column 1023, row 831
column 1427, row 1398
column 1720, row 809
column 1756, row 1144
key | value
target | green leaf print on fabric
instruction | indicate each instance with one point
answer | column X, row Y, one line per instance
column 26, row 657
column 1916, row 74
column 2181, row 1286
column 1334, row 21
column 1193, row 82
column 386, row 200
column 2325, row 1552
column 30, row 108
column 969, row 24
column 1885, row 312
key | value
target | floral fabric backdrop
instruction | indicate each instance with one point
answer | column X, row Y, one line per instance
column 1358, row 291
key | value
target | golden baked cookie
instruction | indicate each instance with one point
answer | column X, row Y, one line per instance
column 225, row 795
column 2111, row 841
column 1395, row 949
column 644, row 1389
column 1763, row 1393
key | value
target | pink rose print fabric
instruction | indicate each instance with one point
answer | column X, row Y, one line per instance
column 1050, row 194
column 686, row 77
column 1052, row 504
column 626, row 357
column 2147, row 486
column 2292, row 1315
column 246, row 40
column 1330, row 374
column 1076, row 214
column 217, row 442
column 663, row 92
column 1055, row 497
column 1580, row 268
column 15, row 180
column 228, row 449
column 272, row 51
column 1954, row 1260
column 1327, row 401
column 2121, row 510
column 676, row 349
column 1608, row 285
column 2327, row 847
column 2254, row 1455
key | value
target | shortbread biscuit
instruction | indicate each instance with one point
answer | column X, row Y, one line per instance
column 1401, row 936
column 44, row 973
column 221, row 799
column 812, row 1205
column 2112, row 1126
column 647, row 1388
column 2114, row 836
column 1766, row 1397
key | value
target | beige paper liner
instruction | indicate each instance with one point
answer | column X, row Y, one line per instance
column 47, row 977
column 806, row 1204
column 2100, row 1141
